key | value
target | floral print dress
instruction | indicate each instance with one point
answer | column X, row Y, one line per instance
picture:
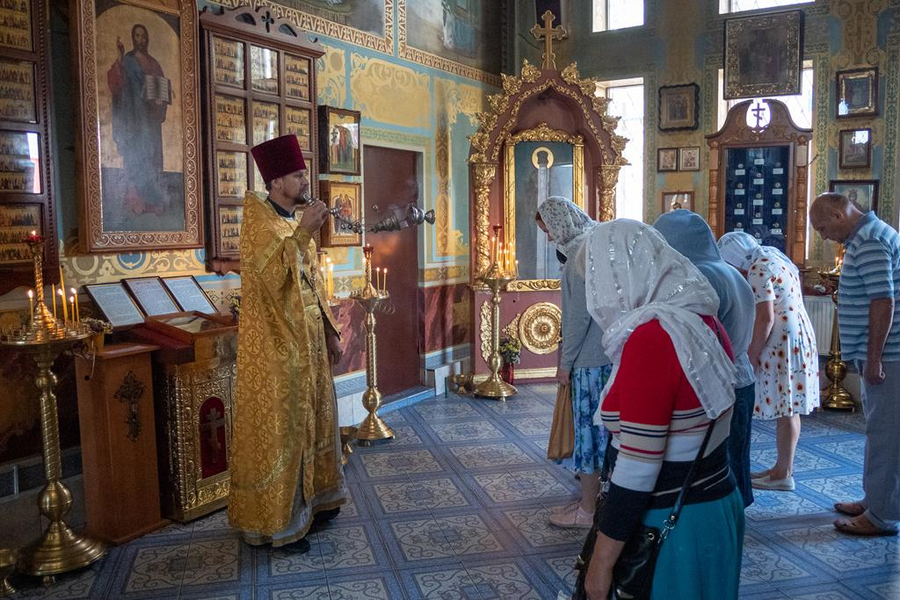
column 787, row 380
column 590, row 440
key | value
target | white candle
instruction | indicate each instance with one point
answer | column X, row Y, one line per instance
column 31, row 303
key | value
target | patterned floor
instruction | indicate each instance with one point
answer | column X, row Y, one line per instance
column 456, row 508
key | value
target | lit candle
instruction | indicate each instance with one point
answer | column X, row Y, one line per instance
column 62, row 295
column 75, row 313
column 72, row 302
column 493, row 249
column 53, row 293
column 31, row 303
column 384, row 280
column 377, row 278
column 330, row 280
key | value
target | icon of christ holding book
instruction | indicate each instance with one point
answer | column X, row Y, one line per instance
column 141, row 95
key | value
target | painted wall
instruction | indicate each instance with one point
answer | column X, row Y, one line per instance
column 682, row 42
column 415, row 93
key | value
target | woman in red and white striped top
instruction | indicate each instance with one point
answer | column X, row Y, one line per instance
column 672, row 379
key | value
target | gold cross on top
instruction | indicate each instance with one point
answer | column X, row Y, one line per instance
column 548, row 34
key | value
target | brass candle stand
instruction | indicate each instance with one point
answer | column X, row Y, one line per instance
column 373, row 427
column 836, row 395
column 496, row 279
column 60, row 549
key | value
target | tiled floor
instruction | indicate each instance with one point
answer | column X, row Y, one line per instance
column 456, row 508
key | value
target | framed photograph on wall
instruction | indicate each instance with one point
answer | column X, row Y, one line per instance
column 667, row 159
column 138, row 125
column 679, row 107
column 339, row 140
column 763, row 55
column 855, row 148
column 689, row 159
column 675, row 200
column 857, row 93
column 17, row 221
column 862, row 192
column 347, row 198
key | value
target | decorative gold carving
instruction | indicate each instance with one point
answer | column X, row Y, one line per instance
column 533, row 285
column 511, row 84
column 543, row 133
column 512, row 328
column 485, row 330
column 530, row 73
column 540, row 327
column 484, row 177
column 130, row 392
column 570, row 74
column 609, row 177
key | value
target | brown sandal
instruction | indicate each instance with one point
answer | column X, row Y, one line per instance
column 861, row 526
column 853, row 509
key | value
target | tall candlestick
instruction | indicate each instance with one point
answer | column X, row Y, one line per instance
column 76, row 316
column 53, row 293
column 31, row 303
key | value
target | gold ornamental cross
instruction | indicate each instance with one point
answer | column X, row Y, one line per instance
column 548, row 34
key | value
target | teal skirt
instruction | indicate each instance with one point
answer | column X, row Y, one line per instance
column 701, row 558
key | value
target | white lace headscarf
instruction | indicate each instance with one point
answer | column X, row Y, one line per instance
column 633, row 277
column 741, row 250
column 566, row 223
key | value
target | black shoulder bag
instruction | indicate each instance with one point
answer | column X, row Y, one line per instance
column 634, row 570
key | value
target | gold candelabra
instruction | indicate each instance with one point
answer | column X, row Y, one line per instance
column 836, row 395
column 371, row 297
column 496, row 279
column 59, row 549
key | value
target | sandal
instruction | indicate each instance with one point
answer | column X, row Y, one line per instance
column 861, row 526
column 853, row 509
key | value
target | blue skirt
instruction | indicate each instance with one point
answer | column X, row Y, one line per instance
column 701, row 558
column 590, row 440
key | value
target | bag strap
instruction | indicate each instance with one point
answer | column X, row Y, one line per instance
column 669, row 524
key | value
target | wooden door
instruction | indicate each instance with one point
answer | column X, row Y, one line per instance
column 391, row 180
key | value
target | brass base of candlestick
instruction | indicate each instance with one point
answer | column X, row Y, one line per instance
column 61, row 549
column 348, row 434
column 8, row 559
column 837, row 398
column 373, row 427
column 495, row 387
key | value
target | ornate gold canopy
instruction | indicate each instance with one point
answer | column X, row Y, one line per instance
column 547, row 105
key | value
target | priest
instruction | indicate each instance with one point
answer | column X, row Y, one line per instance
column 286, row 457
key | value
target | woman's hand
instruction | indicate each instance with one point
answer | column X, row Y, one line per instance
column 563, row 376
column 597, row 581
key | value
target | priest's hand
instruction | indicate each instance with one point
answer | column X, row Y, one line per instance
column 313, row 217
column 333, row 344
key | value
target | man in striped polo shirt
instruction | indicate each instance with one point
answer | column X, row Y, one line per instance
column 869, row 316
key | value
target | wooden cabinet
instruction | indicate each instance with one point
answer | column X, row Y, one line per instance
column 26, row 194
column 118, row 442
column 758, row 180
column 259, row 82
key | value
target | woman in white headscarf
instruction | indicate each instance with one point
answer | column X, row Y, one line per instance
column 672, row 380
column 782, row 350
column 582, row 361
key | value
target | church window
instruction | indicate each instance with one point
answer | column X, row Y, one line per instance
column 733, row 6
column 618, row 14
column 627, row 101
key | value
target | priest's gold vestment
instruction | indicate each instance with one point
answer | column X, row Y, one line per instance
column 285, row 455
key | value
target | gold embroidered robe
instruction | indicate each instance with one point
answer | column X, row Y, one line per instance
column 285, row 438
